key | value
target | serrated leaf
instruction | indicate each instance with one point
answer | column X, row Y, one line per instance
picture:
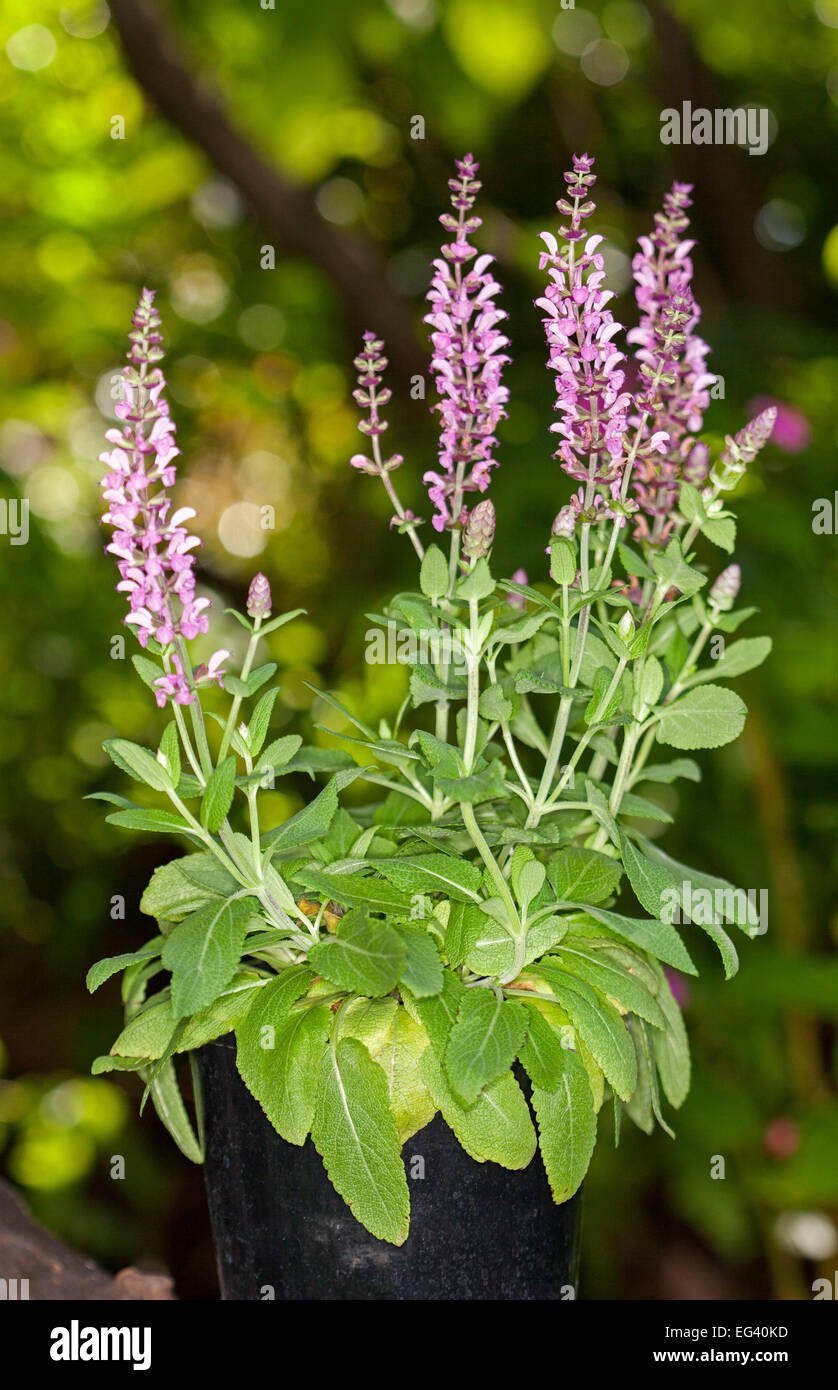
column 314, row 820
column 433, row 575
column 707, row 717
column 104, row 969
column 279, row 1053
column 484, row 1042
column 672, row 1049
column 163, row 822
column 279, row 752
column 399, row 1054
column 257, row 729
column 435, row 873
column 739, row 657
column 541, row 1052
column 438, row 1012
column 138, row 762
column 660, row 939
column 493, row 952
column 583, row 875
column 612, row 979
column 218, row 797
column 566, row 1127
column 168, row 1102
column 600, row 1027
column 365, row 956
column 203, row 951
column 356, row 1136
column 170, row 748
column 422, row 972
column 496, row 1128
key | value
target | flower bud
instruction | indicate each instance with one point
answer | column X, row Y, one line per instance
column 724, row 591
column 479, row 531
column 259, row 597
column 564, row 524
column 517, row 600
column 625, row 627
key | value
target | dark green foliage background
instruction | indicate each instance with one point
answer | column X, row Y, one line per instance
column 326, row 93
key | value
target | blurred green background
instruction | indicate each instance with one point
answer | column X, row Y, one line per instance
column 104, row 193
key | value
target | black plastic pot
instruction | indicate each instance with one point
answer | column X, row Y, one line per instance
column 477, row 1231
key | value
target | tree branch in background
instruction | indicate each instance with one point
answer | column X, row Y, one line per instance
column 287, row 211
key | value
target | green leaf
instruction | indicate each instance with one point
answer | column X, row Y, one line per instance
column 484, row 1042
column 314, row 820
column 478, row 583
column 148, row 671
column 739, row 657
column 422, row 971
column 541, row 1053
column 668, row 772
column 661, row 892
column 399, row 1054
column 356, row 1136
column 496, row 1128
column 164, row 822
column 218, row 797
column 731, row 903
column 721, row 530
column 583, row 875
column 478, row 787
column 435, row 873
column 465, row 923
column 104, row 969
column 612, row 979
column 170, row 748
column 438, row 1012
column 672, row 1049
column 493, row 952
column 280, row 621
column 599, row 1025
column 365, row 956
column 651, row 681
column 279, row 752
column 433, row 575
column 704, row 718
column 138, row 762
column 494, row 706
column 168, row 1102
column 566, row 1127
column 257, row 729
column 355, row 890
column 147, row 1033
column 171, row 895
column 562, row 560
column 652, row 884
column 203, row 952
column 660, row 939
column 278, row 1056
column 673, row 571
column 257, row 677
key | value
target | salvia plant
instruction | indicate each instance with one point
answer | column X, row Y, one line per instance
column 464, row 942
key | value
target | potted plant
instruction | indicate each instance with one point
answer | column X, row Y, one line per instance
column 437, row 991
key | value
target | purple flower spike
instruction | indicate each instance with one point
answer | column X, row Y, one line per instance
column 663, row 272
column 580, row 332
column 467, row 357
column 152, row 545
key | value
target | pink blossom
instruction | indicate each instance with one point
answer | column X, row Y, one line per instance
column 153, row 548
column 467, row 358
